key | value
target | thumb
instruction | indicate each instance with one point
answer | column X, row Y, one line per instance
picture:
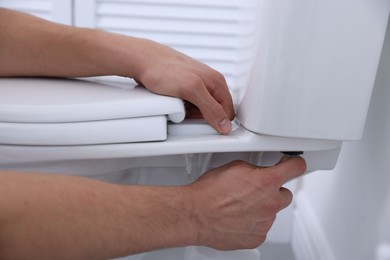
column 283, row 159
column 211, row 110
column 215, row 115
column 289, row 167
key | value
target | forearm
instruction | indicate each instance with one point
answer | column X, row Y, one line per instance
column 63, row 217
column 30, row 46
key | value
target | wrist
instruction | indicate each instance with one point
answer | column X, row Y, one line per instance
column 184, row 218
column 158, row 217
column 125, row 55
column 113, row 54
column 197, row 215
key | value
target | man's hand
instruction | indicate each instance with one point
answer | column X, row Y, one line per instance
column 235, row 205
column 166, row 71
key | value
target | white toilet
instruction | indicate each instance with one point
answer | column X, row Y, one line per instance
column 62, row 120
column 309, row 90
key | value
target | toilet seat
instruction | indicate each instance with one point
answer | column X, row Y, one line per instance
column 51, row 120
column 49, row 111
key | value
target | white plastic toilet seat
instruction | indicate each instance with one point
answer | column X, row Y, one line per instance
column 52, row 120
column 48, row 111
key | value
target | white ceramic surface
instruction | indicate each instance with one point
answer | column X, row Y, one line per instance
column 315, row 67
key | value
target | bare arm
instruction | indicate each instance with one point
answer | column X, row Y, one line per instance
column 62, row 217
column 30, row 46
column 46, row 216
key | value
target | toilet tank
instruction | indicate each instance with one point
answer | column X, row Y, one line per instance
column 314, row 68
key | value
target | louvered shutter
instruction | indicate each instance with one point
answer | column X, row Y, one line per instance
column 218, row 32
column 54, row 10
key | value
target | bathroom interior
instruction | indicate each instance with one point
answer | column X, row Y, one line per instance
column 323, row 64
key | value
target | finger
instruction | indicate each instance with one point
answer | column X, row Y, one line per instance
column 217, row 87
column 216, row 117
column 211, row 110
column 289, row 168
column 286, row 196
column 220, row 92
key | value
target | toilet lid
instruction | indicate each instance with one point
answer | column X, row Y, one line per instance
column 52, row 100
column 48, row 111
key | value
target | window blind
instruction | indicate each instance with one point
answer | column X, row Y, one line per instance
column 54, row 10
column 41, row 8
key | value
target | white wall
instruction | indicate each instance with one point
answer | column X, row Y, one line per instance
column 351, row 203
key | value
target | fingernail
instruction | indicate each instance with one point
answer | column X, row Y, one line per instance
column 225, row 126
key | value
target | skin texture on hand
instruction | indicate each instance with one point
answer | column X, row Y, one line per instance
column 237, row 204
column 30, row 46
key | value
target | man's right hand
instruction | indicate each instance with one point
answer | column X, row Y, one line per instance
column 235, row 205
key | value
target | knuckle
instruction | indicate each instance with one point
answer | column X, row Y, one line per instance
column 252, row 242
column 217, row 109
column 285, row 204
column 288, row 196
column 189, row 90
column 257, row 241
column 271, row 180
column 238, row 163
column 194, row 81
column 253, row 245
column 215, row 74
column 219, row 76
column 275, row 205
column 242, row 167
column 261, row 240
column 268, row 224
